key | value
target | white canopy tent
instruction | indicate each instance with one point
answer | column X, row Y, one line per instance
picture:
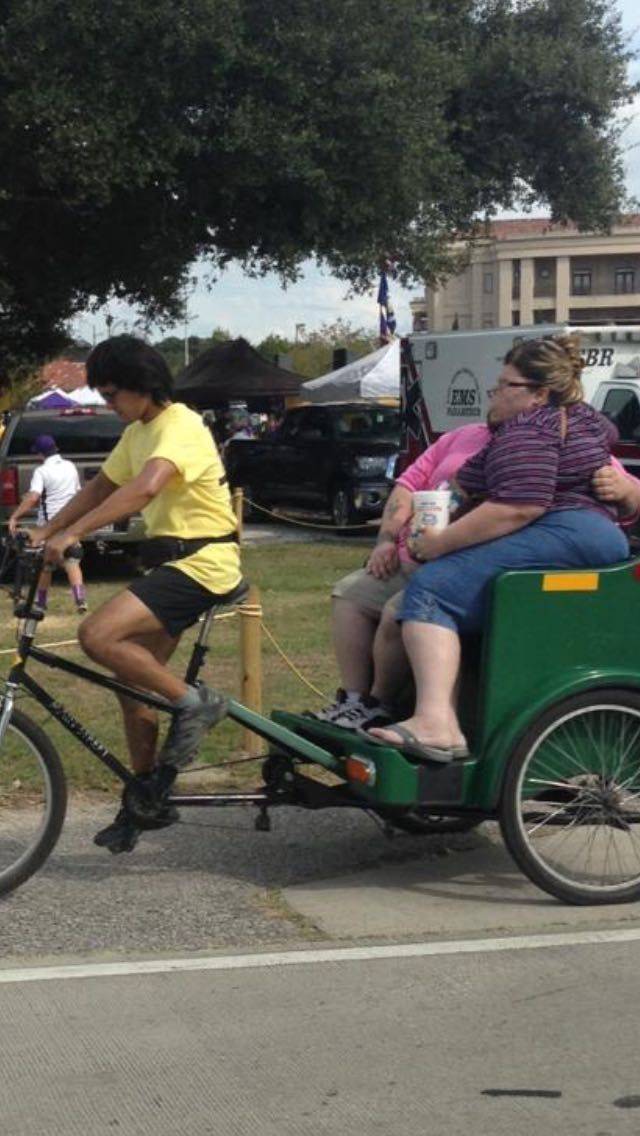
column 372, row 377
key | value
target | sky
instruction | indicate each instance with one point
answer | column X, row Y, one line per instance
column 257, row 308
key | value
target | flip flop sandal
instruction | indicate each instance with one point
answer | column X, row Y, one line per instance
column 413, row 747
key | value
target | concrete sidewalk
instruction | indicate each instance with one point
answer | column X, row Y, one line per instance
column 473, row 888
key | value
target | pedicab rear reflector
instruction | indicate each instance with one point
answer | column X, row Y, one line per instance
column 361, row 769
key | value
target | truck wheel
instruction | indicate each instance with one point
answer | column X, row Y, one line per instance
column 342, row 511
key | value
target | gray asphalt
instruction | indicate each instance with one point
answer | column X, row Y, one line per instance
column 523, row 1042
column 210, row 883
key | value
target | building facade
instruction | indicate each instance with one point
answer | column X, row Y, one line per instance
column 528, row 271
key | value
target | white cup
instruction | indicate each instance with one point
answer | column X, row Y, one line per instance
column 431, row 509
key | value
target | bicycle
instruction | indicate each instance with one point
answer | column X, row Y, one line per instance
column 33, row 791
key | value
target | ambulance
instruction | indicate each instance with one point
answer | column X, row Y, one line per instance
column 445, row 378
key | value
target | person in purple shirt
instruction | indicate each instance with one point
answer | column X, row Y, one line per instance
column 535, row 508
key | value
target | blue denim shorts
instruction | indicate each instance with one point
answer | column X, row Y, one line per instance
column 453, row 590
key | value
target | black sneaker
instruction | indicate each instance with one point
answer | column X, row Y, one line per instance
column 121, row 835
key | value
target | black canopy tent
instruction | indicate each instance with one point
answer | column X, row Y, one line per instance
column 235, row 372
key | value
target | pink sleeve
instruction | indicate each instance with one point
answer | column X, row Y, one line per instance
column 418, row 475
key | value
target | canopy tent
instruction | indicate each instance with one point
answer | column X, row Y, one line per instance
column 234, row 372
column 374, row 376
column 57, row 399
column 54, row 399
column 85, row 396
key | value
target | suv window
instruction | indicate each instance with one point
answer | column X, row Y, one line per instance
column 74, row 433
column 369, row 422
column 621, row 406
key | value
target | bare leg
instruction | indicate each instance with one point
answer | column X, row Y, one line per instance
column 74, row 573
column 434, row 654
column 111, row 637
column 353, row 635
column 44, row 583
column 390, row 663
column 127, row 639
column 140, row 721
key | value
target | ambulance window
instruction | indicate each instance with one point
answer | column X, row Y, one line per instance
column 622, row 407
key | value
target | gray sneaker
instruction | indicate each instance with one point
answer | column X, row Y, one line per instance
column 362, row 715
column 189, row 726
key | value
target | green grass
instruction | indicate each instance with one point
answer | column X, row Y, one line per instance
column 294, row 582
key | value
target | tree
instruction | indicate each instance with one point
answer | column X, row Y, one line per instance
column 311, row 355
column 173, row 347
column 140, row 134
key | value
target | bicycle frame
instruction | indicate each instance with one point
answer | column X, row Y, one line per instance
column 18, row 677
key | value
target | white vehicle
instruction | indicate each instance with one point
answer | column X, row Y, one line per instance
column 446, row 377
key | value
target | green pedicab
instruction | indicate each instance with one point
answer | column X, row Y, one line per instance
column 550, row 704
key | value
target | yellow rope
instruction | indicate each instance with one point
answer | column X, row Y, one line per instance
column 291, row 665
column 302, row 524
column 62, row 643
column 71, row 642
column 247, row 609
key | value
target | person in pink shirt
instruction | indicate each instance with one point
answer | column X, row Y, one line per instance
column 366, row 636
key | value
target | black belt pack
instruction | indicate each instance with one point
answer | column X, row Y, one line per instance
column 159, row 550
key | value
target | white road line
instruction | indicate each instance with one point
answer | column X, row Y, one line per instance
column 308, row 957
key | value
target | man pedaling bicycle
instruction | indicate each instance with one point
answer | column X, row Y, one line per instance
column 165, row 466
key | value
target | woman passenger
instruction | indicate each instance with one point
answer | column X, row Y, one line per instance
column 537, row 510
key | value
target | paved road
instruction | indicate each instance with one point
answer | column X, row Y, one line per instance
column 215, row 883
column 522, row 1041
column 191, row 887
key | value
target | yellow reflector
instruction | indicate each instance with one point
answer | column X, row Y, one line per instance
column 571, row 581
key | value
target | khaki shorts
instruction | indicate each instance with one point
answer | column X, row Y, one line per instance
column 369, row 593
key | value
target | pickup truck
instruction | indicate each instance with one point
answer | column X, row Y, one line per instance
column 85, row 435
column 332, row 458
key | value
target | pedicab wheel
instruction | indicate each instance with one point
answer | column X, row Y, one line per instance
column 570, row 806
column 33, row 800
column 420, row 822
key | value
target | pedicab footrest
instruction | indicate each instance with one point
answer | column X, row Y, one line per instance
column 399, row 780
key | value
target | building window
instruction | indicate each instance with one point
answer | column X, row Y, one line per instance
column 624, row 281
column 582, row 282
column 487, row 282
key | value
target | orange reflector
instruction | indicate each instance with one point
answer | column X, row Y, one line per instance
column 361, row 769
column 571, row 581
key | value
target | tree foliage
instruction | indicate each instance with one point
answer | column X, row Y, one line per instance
column 176, row 352
column 311, row 354
column 140, row 134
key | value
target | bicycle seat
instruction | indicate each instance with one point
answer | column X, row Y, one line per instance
column 235, row 596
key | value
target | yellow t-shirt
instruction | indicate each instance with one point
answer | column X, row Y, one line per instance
column 195, row 502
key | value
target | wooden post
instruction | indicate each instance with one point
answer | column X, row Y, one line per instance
column 250, row 615
column 237, row 500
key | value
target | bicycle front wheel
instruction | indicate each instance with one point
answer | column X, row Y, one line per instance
column 33, row 800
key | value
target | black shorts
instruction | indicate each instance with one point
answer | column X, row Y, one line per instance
column 174, row 598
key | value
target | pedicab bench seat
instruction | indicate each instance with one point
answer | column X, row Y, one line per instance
column 549, row 635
